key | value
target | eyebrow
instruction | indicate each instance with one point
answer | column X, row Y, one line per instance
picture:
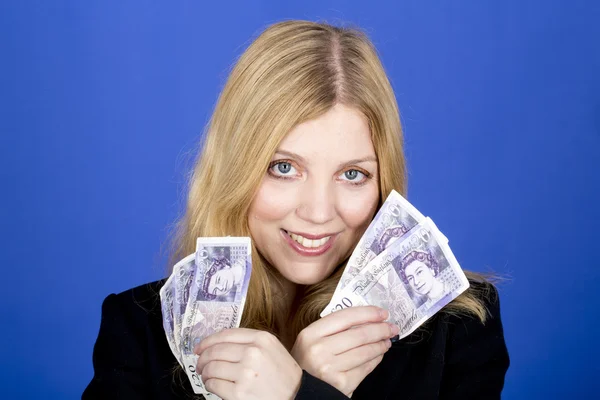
column 350, row 162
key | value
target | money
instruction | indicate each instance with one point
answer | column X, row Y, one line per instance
column 402, row 263
column 216, row 297
column 413, row 279
column 184, row 272
column 394, row 219
column 167, row 297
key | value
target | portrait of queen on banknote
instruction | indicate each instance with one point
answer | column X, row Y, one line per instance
column 223, row 278
column 419, row 272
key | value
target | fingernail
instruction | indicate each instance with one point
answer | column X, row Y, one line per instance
column 395, row 329
column 389, row 344
column 196, row 343
column 384, row 313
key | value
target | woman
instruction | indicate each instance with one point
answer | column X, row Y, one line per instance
column 221, row 278
column 419, row 270
column 304, row 143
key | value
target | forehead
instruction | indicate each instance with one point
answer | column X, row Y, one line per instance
column 342, row 132
column 220, row 272
column 413, row 266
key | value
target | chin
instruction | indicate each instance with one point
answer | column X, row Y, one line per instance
column 306, row 276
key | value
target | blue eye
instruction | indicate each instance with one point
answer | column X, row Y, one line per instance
column 353, row 174
column 283, row 168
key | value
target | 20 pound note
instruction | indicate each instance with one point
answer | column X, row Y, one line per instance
column 413, row 279
column 393, row 220
column 217, row 295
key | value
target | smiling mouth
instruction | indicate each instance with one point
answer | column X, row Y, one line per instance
column 308, row 243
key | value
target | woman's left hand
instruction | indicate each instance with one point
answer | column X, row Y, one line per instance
column 244, row 364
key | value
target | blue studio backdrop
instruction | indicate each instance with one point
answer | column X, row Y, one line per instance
column 102, row 108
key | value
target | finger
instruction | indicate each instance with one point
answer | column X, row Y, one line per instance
column 231, row 352
column 344, row 319
column 359, row 336
column 234, row 335
column 358, row 374
column 222, row 388
column 361, row 355
column 223, row 370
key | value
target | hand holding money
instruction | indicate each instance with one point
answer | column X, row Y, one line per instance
column 344, row 347
column 247, row 364
column 204, row 295
column 403, row 264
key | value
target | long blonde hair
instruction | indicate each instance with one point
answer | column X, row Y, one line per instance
column 293, row 72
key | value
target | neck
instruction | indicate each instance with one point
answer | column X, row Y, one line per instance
column 287, row 297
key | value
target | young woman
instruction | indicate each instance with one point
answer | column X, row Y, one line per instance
column 304, row 145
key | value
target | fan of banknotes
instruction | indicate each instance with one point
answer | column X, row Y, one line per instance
column 205, row 294
column 402, row 263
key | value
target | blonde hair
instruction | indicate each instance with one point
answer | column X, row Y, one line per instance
column 293, row 72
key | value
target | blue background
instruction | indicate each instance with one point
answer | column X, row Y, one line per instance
column 103, row 103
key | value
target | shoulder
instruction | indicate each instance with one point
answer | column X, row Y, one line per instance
column 132, row 358
column 476, row 349
column 454, row 355
column 467, row 326
column 136, row 309
column 481, row 296
column 144, row 297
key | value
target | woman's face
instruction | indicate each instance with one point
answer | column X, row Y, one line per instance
column 420, row 277
column 317, row 197
column 221, row 282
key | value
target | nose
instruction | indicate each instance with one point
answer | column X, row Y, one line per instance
column 317, row 202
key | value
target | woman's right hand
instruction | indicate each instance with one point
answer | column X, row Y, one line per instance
column 345, row 346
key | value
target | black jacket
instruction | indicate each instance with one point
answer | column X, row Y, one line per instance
column 453, row 357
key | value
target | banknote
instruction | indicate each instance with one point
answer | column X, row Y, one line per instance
column 413, row 279
column 394, row 219
column 217, row 295
column 183, row 272
column 167, row 297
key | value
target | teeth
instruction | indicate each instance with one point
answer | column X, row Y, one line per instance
column 308, row 242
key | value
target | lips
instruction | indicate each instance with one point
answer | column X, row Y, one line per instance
column 308, row 245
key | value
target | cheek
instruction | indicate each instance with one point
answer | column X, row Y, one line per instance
column 271, row 204
column 359, row 211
